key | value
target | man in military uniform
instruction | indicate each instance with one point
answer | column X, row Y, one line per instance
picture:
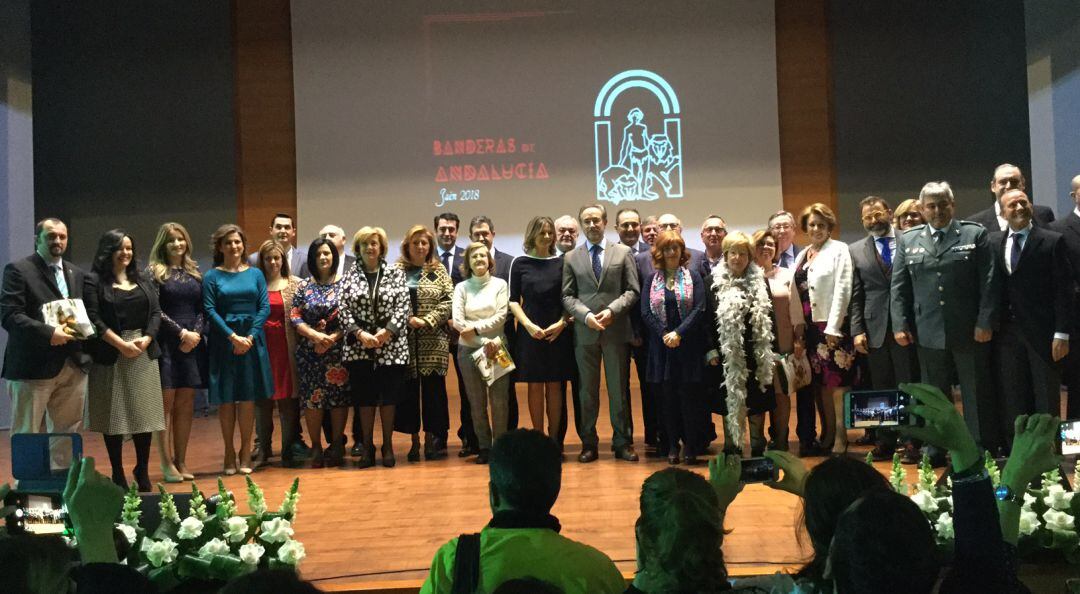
column 944, row 299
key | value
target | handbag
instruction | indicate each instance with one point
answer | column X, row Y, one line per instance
column 794, row 371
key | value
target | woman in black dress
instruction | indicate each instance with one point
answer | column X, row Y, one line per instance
column 544, row 354
column 183, row 352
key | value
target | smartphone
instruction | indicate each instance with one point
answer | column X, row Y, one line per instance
column 758, row 470
column 877, row 408
column 1069, row 438
column 36, row 513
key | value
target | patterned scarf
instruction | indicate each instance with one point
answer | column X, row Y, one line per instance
column 683, row 289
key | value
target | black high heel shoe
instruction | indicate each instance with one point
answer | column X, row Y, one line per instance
column 367, row 459
column 414, row 453
column 388, row 459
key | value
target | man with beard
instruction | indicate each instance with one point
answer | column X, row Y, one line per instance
column 1008, row 177
column 1036, row 314
column 628, row 224
column 890, row 363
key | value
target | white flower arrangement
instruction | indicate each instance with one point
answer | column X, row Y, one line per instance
column 129, row 533
column 251, row 553
column 291, row 552
column 190, row 528
column 276, row 530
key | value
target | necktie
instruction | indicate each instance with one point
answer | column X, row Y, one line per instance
column 61, row 282
column 785, row 260
column 446, row 261
column 596, row 261
column 886, row 251
column 1014, row 253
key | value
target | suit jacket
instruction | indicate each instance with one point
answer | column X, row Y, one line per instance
column 616, row 290
column 870, row 292
column 1038, row 295
column 1069, row 227
column 503, row 262
column 1042, row 217
column 942, row 292
column 455, row 264
column 100, row 298
column 28, row 284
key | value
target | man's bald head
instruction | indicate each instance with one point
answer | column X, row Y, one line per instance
column 669, row 222
column 1076, row 190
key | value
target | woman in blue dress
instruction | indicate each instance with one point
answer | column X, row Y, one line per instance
column 237, row 305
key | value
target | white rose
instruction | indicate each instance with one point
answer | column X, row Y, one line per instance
column 251, row 553
column 1058, row 498
column 190, row 528
column 276, row 530
column 944, row 526
column 129, row 533
column 214, row 546
column 1029, row 522
column 160, row 552
column 292, row 552
column 926, row 501
column 1058, row 521
column 236, row 529
column 1029, row 500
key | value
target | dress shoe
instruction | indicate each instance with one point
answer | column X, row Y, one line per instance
column 299, row 451
column 171, row 475
column 482, row 456
column 626, row 453
column 588, row 455
column 466, row 451
column 142, row 479
column 414, row 453
column 438, row 449
column 691, row 460
column 356, row 451
column 335, row 455
column 318, row 458
column 259, row 458
column 880, row 454
column 811, row 450
column 673, row 456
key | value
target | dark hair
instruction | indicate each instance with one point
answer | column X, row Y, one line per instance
column 874, row 200
column 679, row 533
column 883, row 543
column 527, row 585
column 446, row 216
column 526, row 470
column 603, row 211
column 269, row 581
column 829, row 489
column 108, row 245
column 622, row 210
column 40, row 225
column 283, row 215
column 33, row 563
column 481, row 220
column 313, row 257
column 222, row 232
column 820, row 210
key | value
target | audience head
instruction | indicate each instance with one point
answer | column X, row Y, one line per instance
column 738, row 252
column 418, row 247
column 229, row 240
column 876, row 215
column 323, row 258
column 335, row 234
column 908, row 215
column 34, row 564
column 1075, row 193
column 782, row 224
column 593, row 218
column 482, row 229
column 115, row 252
column 1016, row 209
column 540, row 236
column 283, row 228
column 566, row 233
column 172, row 247
column 649, row 229
column 764, row 241
column 274, row 260
column 446, row 229
column 679, row 534
column 526, row 472
column 50, row 239
column 883, row 543
column 817, row 221
column 936, row 203
column 477, row 261
column 269, row 581
column 1006, row 177
column 628, row 224
column 713, row 232
column 829, row 489
column 669, row 222
column 370, row 245
column 669, row 251
column 527, row 585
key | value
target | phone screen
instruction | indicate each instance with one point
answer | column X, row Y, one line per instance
column 37, row 513
column 876, row 408
column 757, row 470
column 1070, row 437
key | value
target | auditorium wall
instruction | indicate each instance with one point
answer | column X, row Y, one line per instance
column 133, row 118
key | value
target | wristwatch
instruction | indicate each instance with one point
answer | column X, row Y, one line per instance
column 1005, row 493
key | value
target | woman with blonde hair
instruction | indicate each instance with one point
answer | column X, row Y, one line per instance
column 907, row 215
column 183, row 363
column 430, row 298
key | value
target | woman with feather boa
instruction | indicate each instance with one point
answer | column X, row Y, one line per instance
column 744, row 335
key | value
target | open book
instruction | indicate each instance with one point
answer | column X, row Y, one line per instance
column 495, row 367
column 70, row 316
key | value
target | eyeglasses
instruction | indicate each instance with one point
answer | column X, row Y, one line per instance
column 877, row 214
column 717, row 230
column 669, row 226
column 783, row 226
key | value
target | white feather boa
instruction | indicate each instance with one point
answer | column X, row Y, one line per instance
column 732, row 306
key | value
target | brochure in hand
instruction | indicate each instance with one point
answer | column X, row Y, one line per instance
column 492, row 368
column 70, row 316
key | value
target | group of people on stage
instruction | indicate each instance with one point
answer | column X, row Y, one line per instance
column 314, row 332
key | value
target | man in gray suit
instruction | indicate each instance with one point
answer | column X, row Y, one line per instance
column 945, row 299
column 283, row 230
column 890, row 363
column 600, row 286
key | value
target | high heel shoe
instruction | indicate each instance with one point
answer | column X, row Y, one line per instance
column 335, row 455
column 367, row 458
column 184, row 472
column 142, row 479
column 388, row 459
column 230, row 466
column 414, row 453
column 171, row 475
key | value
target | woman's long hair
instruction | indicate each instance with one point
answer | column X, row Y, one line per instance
column 679, row 534
column 108, row 245
column 159, row 254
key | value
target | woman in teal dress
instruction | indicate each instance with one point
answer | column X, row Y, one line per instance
column 237, row 305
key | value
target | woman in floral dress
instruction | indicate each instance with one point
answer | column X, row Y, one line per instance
column 324, row 381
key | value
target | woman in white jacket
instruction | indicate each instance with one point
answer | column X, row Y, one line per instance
column 822, row 283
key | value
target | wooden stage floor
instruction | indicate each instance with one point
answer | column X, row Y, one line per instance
column 384, row 525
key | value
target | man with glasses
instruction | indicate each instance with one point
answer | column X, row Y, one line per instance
column 713, row 232
column 782, row 224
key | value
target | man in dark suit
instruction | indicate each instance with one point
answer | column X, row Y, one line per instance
column 1069, row 227
column 452, row 256
column 1008, row 177
column 283, row 230
column 945, row 300
column 600, row 286
column 890, row 363
column 482, row 229
column 566, row 238
column 628, row 224
column 782, row 224
column 713, row 232
column 44, row 366
column 1036, row 314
